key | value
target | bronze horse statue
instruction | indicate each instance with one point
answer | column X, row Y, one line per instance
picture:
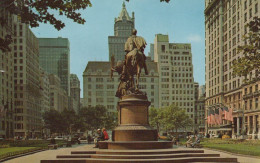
column 132, row 65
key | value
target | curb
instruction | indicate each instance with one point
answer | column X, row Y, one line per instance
column 20, row 155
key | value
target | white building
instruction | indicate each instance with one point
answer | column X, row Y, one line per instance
column 100, row 89
column 176, row 84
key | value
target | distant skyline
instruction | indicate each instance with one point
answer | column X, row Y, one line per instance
column 182, row 20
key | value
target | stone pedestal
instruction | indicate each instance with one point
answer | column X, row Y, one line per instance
column 134, row 131
column 133, row 120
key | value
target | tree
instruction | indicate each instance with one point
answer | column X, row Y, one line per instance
column 156, row 118
column 53, row 121
column 250, row 59
column 69, row 118
column 110, row 121
column 169, row 118
column 97, row 117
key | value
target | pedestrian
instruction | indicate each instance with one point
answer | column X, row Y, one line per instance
column 189, row 142
column 197, row 141
column 106, row 137
column 100, row 137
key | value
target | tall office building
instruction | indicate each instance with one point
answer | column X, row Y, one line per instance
column 124, row 24
column 45, row 90
column 201, row 91
column 151, row 53
column 58, row 97
column 75, row 92
column 199, row 111
column 55, row 59
column 6, row 78
column 27, row 95
column 100, row 89
column 225, row 24
column 176, row 84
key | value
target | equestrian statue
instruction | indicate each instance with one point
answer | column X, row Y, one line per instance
column 132, row 66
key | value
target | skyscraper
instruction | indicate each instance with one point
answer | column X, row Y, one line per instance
column 27, row 92
column 75, row 91
column 176, row 84
column 123, row 27
column 55, row 59
column 6, row 78
column 58, row 96
column 225, row 24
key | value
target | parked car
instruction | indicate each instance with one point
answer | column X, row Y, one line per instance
column 59, row 138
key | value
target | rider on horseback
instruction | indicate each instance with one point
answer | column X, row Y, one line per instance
column 135, row 46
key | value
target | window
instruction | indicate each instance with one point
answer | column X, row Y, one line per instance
column 256, row 103
column 163, row 48
column 245, row 17
column 110, row 86
column 99, row 79
column 99, row 86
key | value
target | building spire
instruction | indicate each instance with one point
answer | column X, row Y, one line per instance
column 123, row 14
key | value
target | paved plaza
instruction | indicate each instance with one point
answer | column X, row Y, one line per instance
column 51, row 154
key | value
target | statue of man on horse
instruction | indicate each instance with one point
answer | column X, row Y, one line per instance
column 133, row 64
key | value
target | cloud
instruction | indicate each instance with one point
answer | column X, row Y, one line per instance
column 194, row 38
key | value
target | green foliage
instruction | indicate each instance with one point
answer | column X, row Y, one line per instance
column 250, row 59
column 247, row 147
column 89, row 118
column 33, row 12
column 12, row 151
column 169, row 118
column 97, row 117
column 53, row 121
column 5, row 43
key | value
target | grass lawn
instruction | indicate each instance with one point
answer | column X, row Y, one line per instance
column 247, row 147
column 13, row 149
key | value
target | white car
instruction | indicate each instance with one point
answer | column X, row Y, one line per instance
column 59, row 138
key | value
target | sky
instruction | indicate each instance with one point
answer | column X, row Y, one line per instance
column 182, row 20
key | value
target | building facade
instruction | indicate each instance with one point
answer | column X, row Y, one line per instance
column 6, row 78
column 225, row 24
column 55, row 59
column 176, row 83
column 27, row 95
column 124, row 24
column 45, row 90
column 100, row 89
column 58, row 96
column 75, row 92
column 199, row 112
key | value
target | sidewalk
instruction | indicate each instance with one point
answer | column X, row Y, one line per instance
column 51, row 154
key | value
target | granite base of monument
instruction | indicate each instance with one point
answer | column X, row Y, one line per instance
column 134, row 131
